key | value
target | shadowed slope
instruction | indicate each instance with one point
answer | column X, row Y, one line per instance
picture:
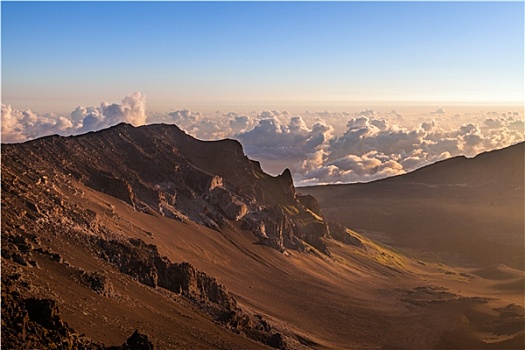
column 467, row 211
column 159, row 169
column 193, row 245
column 494, row 169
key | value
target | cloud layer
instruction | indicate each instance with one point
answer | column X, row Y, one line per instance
column 20, row 125
column 372, row 148
column 319, row 147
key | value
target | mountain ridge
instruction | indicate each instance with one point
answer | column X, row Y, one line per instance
column 160, row 171
column 191, row 244
column 472, row 207
column 435, row 171
column 180, row 177
column 469, row 170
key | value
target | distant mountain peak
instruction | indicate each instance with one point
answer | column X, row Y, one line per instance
column 499, row 167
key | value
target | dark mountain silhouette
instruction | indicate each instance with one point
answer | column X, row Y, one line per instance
column 494, row 169
column 470, row 210
column 140, row 238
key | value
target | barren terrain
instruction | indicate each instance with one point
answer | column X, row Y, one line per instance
column 463, row 211
column 194, row 246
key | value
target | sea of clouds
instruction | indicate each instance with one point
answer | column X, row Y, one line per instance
column 319, row 147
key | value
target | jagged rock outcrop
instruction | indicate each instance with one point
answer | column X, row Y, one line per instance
column 340, row 233
column 116, row 187
column 274, row 228
column 310, row 203
column 33, row 323
column 228, row 204
column 97, row 282
column 160, row 169
column 285, row 184
column 143, row 262
column 36, row 324
column 136, row 341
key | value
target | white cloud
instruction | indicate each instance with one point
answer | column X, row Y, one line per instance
column 132, row 110
column 372, row 147
column 494, row 123
column 367, row 113
column 18, row 125
column 240, row 123
column 11, row 131
column 319, row 147
column 184, row 117
column 287, row 139
column 427, row 126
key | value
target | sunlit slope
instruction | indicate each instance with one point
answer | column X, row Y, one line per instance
column 106, row 224
column 193, row 245
column 343, row 301
column 462, row 211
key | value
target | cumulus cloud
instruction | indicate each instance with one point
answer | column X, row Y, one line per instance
column 373, row 147
column 319, row 147
column 184, row 116
column 240, row 123
column 132, row 110
column 18, row 126
column 427, row 126
column 494, row 123
column 22, row 125
column 272, row 137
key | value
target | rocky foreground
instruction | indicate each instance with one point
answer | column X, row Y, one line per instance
column 140, row 238
column 157, row 170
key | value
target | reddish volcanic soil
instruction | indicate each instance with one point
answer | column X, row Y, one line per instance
column 67, row 241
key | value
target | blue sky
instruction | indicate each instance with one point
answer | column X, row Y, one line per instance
column 265, row 55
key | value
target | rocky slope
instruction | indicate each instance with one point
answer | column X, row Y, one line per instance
column 37, row 324
column 157, row 170
column 185, row 244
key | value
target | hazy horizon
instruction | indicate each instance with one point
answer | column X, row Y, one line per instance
column 337, row 91
column 318, row 147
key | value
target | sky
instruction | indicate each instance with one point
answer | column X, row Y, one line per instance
column 261, row 55
column 335, row 91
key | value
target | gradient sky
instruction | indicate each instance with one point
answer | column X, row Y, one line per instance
column 261, row 55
